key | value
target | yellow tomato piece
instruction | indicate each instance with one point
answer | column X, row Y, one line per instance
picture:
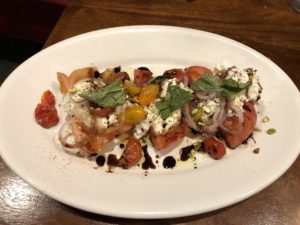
column 148, row 94
column 131, row 88
column 134, row 114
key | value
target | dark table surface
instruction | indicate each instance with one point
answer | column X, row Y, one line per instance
column 270, row 27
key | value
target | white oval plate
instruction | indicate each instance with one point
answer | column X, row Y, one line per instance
column 33, row 153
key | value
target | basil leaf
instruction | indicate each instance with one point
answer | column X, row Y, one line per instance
column 110, row 96
column 178, row 98
column 231, row 87
column 158, row 79
column 206, row 83
column 210, row 83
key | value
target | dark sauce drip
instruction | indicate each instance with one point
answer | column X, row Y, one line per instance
column 185, row 152
column 117, row 69
column 169, row 162
column 96, row 74
column 100, row 160
column 148, row 160
column 112, row 160
column 122, row 145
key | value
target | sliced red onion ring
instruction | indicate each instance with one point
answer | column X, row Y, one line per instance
column 66, row 136
column 217, row 118
column 188, row 118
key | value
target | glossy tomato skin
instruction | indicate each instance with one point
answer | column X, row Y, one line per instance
column 48, row 98
column 237, row 135
column 132, row 153
column 142, row 76
column 161, row 141
column 45, row 112
column 46, row 115
column 195, row 72
column 214, row 148
column 175, row 73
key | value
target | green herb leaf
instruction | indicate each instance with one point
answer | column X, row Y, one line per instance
column 207, row 83
column 230, row 87
column 211, row 83
column 159, row 79
column 110, row 96
column 178, row 98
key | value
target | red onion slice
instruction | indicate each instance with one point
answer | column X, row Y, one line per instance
column 188, row 118
column 66, row 136
column 217, row 118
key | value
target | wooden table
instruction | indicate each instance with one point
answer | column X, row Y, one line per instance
column 271, row 27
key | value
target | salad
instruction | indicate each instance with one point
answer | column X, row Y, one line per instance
column 216, row 105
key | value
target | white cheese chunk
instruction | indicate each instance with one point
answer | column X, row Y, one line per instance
column 154, row 120
column 80, row 87
column 165, row 85
column 254, row 90
column 101, row 123
column 113, row 118
column 240, row 77
column 209, row 107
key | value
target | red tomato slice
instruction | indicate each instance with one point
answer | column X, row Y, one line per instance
column 214, row 147
column 46, row 115
column 160, row 141
column 142, row 76
column 195, row 72
column 234, row 139
column 132, row 153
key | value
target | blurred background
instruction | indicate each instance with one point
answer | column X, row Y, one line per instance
column 24, row 28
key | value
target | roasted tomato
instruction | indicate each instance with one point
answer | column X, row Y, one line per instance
column 48, row 98
column 132, row 153
column 45, row 112
column 176, row 73
column 235, row 135
column 195, row 72
column 46, row 115
column 161, row 141
column 141, row 76
column 214, row 147
column 148, row 94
